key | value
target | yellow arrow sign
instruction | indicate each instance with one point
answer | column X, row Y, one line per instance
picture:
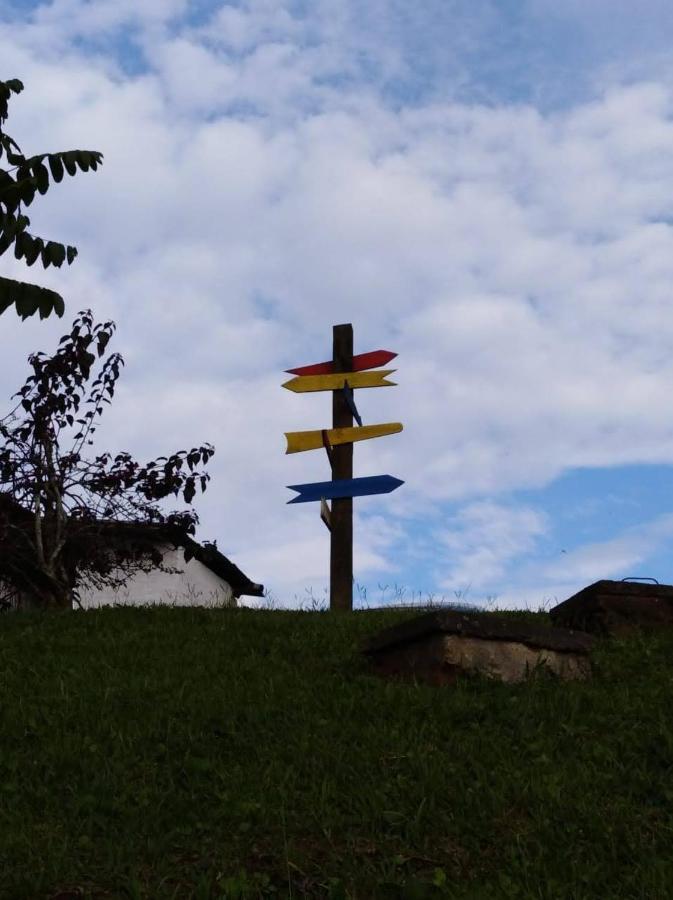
column 336, row 381
column 312, row 440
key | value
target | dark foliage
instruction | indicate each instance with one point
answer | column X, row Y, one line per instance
column 50, row 535
column 31, row 175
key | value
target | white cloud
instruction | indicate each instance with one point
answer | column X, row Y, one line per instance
column 243, row 28
column 519, row 262
column 96, row 16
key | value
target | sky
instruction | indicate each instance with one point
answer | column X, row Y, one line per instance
column 484, row 188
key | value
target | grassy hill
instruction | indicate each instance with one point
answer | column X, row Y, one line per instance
column 192, row 753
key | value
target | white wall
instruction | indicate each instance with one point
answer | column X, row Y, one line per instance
column 198, row 586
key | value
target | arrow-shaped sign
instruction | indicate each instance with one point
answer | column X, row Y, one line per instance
column 335, row 382
column 362, row 361
column 328, row 447
column 325, row 513
column 312, row 440
column 345, row 487
column 347, row 391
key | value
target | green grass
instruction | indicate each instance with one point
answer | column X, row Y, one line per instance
column 245, row 753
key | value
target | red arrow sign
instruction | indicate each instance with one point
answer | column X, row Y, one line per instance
column 360, row 362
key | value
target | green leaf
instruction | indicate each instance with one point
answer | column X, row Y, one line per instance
column 83, row 158
column 20, row 246
column 189, row 490
column 72, row 253
column 9, row 194
column 6, row 298
column 8, row 142
column 46, row 257
column 6, row 180
column 23, row 173
column 14, row 84
column 9, row 228
column 56, row 167
column 57, row 252
column 34, row 248
column 46, row 304
column 10, row 225
column 69, row 161
column 95, row 159
column 26, row 190
column 41, row 178
column 28, row 300
column 6, row 89
column 17, row 292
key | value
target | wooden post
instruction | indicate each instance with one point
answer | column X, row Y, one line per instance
column 341, row 537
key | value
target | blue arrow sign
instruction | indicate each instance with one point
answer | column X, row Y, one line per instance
column 345, row 487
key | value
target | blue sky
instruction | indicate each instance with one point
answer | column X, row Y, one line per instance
column 485, row 188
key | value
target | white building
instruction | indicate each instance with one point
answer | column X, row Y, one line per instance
column 208, row 579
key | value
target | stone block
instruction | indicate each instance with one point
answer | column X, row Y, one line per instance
column 437, row 647
column 616, row 608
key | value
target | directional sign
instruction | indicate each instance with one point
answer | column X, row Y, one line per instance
column 335, row 382
column 346, row 487
column 328, row 448
column 312, row 440
column 347, row 391
column 325, row 513
column 342, row 374
column 362, row 361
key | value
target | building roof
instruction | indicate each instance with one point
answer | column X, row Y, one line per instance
column 156, row 533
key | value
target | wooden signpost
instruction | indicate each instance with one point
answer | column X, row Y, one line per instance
column 341, row 375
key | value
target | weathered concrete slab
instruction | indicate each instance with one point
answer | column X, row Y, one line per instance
column 437, row 647
column 616, row 608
